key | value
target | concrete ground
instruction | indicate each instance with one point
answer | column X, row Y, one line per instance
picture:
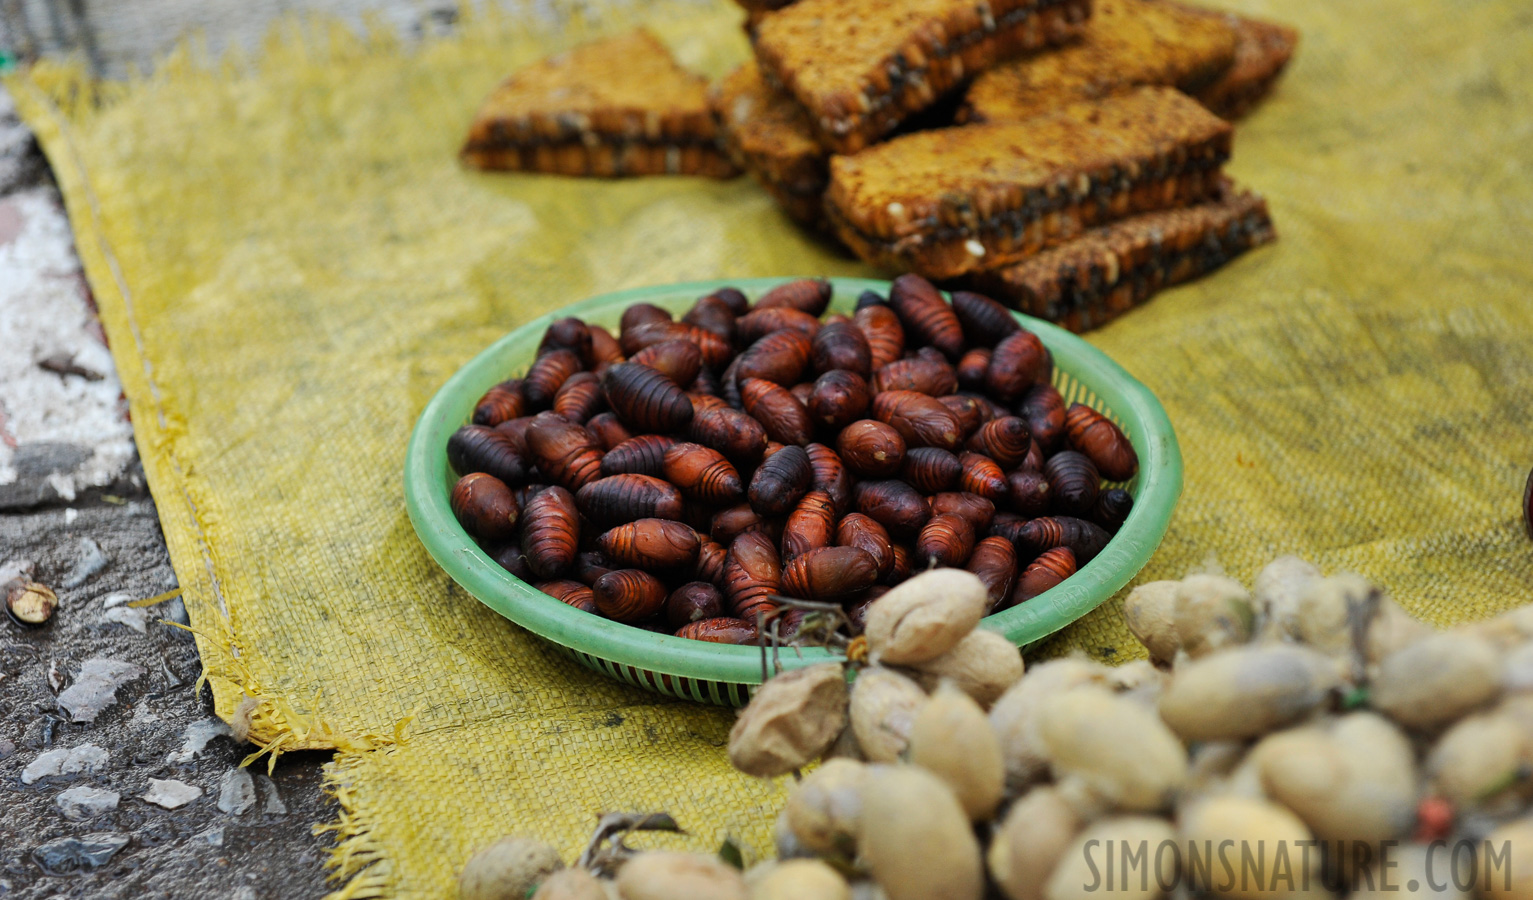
column 115, row 778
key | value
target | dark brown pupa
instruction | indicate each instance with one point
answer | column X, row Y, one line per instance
column 484, row 506
column 935, row 378
column 901, row 568
column 871, row 449
column 781, row 357
column 563, row 451
column 830, row 476
column 640, row 314
column 692, row 602
column 752, row 575
column 651, row 544
column 1004, row 440
column 864, row 533
column 779, row 412
column 1103, row 442
column 1029, row 493
column 622, row 498
column 579, row 398
column 568, row 334
column 516, row 430
column 1074, row 482
column 1085, row 539
column 733, row 298
column 829, row 573
column 984, row 321
column 702, row 473
column 802, row 392
column 716, row 351
column 572, row 593
column 509, row 556
column 971, row 368
column 884, row 333
column 501, row 403
column 1014, row 366
column 646, row 400
column 547, row 375
column 945, row 541
column 712, row 314
column 608, row 431
column 642, row 455
column 1112, row 509
column 971, row 413
column 629, row 595
column 811, row 524
column 709, row 565
column 807, row 295
column 721, row 630
column 780, row 481
column 477, row 448
column 1008, row 526
column 734, row 521
column 981, row 475
column 731, row 432
column 976, row 509
column 1044, row 409
column 839, row 398
column 925, row 315
column 678, row 360
column 892, row 504
column 1048, row 571
column 930, row 470
column 753, row 326
column 591, row 565
column 604, row 347
column 841, row 345
column 921, row 420
column 550, row 532
column 994, row 563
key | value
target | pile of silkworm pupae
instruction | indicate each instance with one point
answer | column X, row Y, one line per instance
column 686, row 475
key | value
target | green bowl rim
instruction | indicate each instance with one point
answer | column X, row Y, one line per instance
column 1158, row 488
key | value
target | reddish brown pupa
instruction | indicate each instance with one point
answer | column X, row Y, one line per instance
column 629, row 595
column 646, row 400
column 579, row 398
column 945, row 541
column 971, row 368
column 970, row 412
column 484, row 506
column 1014, row 366
column 802, row 392
column 930, row 470
column 706, row 384
column 640, row 314
column 702, row 401
column 734, row 521
column 864, row 533
column 780, row 481
column 981, row 475
column 1049, row 570
column 994, row 562
column 779, row 412
column 892, row 504
column 476, row 448
column 501, row 403
column 608, row 431
column 884, row 333
column 829, row 573
column 622, row 498
column 753, row 326
column 591, row 565
column 679, row 360
column 811, row 524
column 1085, row 539
column 563, row 451
column 550, row 532
column 716, row 350
column 984, row 321
column 642, row 455
column 841, row 345
column 651, row 544
column 925, row 315
column 568, row 334
column 901, row 568
column 839, row 398
column 547, row 375
column 721, row 630
column 572, row 593
column 921, row 420
column 1074, row 482
column 830, row 476
column 807, row 295
column 1029, row 493
column 692, row 602
column 924, row 376
column 871, row 449
column 1044, row 409
column 604, row 347
column 1008, row 526
column 1103, row 442
column 781, row 357
column 516, row 430
column 976, row 509
column 1004, row 440
column 733, row 298
column 702, row 473
column 709, row 565
column 714, row 315
column 752, row 575
column 731, row 432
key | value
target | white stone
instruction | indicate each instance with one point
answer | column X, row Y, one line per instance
column 82, row 803
column 273, row 805
column 86, row 758
column 197, row 736
column 92, row 558
column 96, row 688
column 136, row 619
column 116, row 598
column 974, row 247
column 236, row 792
column 171, row 794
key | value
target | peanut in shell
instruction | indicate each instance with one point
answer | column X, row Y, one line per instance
column 1247, row 691
column 1076, row 873
column 1437, row 679
column 1031, row 841
column 1212, row 612
column 1119, row 748
column 925, row 617
column 1353, row 780
column 665, row 875
column 1150, row 613
column 1248, row 822
column 507, row 869
column 790, row 722
column 824, row 812
column 1276, row 594
column 801, row 879
column 1478, row 758
column 1014, row 717
column 982, row 665
column 571, row 884
column 883, row 711
column 916, row 841
column 951, row 738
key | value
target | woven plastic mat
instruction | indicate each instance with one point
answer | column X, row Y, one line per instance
column 289, row 260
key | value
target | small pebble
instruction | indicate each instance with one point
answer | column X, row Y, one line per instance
column 171, row 794
column 198, row 734
column 236, row 792
column 92, row 559
column 96, row 688
column 82, row 803
column 274, row 805
column 86, row 850
column 136, row 619
column 86, row 758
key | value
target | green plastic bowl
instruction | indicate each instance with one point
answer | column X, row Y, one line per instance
column 725, row 674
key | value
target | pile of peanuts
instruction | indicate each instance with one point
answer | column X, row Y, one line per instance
column 686, row 476
column 1309, row 717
